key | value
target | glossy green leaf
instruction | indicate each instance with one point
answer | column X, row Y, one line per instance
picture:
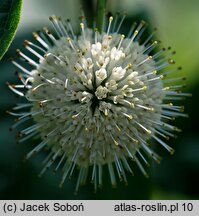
column 9, row 19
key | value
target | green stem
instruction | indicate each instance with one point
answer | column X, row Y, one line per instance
column 101, row 5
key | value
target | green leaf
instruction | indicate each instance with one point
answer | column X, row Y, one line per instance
column 9, row 19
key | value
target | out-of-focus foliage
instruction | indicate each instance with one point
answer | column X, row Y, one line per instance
column 9, row 18
column 101, row 5
column 177, row 24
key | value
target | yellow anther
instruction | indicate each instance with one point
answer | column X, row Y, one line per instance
column 86, row 129
column 35, row 35
column 129, row 66
column 166, row 88
column 177, row 129
column 182, row 108
column 130, row 117
column 110, row 19
column 136, row 141
column 143, row 22
column 116, row 143
column 82, row 25
column 151, row 109
column 74, row 116
column 145, row 88
column 53, row 17
column 149, row 131
column 171, row 61
column 172, row 151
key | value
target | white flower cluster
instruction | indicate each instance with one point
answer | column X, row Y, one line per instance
column 97, row 98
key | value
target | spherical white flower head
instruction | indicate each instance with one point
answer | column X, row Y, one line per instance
column 96, row 98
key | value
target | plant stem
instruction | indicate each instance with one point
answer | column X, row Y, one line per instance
column 101, row 5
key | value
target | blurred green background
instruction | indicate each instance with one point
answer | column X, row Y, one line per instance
column 177, row 176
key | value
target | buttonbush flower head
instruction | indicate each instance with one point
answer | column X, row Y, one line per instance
column 97, row 98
